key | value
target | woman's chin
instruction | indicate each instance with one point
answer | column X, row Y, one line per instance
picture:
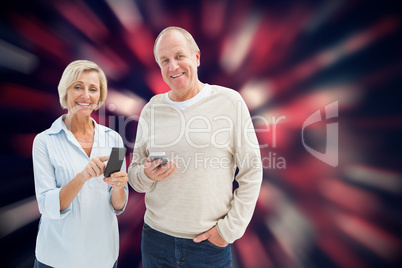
column 78, row 111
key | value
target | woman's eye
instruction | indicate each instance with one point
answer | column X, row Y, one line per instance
column 93, row 89
column 77, row 87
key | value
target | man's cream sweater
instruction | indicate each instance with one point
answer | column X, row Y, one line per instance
column 208, row 141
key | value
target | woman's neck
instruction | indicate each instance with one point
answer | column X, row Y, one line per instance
column 81, row 125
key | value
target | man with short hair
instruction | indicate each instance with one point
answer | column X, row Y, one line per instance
column 192, row 213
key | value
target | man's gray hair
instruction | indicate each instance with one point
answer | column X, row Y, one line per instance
column 190, row 40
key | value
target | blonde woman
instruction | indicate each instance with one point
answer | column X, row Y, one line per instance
column 78, row 226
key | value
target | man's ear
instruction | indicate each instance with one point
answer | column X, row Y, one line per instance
column 198, row 57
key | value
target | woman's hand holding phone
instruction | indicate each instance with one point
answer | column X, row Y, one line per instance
column 95, row 167
column 117, row 180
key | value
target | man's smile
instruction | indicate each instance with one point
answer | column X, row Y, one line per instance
column 177, row 75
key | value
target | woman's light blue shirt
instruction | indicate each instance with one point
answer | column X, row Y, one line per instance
column 86, row 233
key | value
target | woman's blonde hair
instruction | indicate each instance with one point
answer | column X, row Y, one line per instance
column 73, row 72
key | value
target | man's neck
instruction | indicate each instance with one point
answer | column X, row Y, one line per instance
column 175, row 96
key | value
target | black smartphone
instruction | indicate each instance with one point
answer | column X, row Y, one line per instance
column 116, row 159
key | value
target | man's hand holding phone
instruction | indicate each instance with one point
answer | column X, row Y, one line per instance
column 157, row 167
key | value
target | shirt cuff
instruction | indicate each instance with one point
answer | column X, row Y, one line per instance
column 52, row 205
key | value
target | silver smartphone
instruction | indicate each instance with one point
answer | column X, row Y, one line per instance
column 158, row 155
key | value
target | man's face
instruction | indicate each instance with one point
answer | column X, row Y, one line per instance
column 177, row 62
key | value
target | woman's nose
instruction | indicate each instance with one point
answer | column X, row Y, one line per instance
column 85, row 93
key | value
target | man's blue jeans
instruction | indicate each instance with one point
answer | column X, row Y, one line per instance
column 161, row 250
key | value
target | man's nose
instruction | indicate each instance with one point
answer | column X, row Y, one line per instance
column 172, row 65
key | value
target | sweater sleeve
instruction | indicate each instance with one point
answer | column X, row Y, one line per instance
column 248, row 160
column 47, row 192
column 136, row 175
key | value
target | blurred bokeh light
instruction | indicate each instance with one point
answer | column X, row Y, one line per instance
column 288, row 59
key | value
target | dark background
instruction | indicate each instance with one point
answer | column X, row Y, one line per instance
column 288, row 59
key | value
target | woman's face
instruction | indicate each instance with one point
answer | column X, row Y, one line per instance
column 84, row 94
